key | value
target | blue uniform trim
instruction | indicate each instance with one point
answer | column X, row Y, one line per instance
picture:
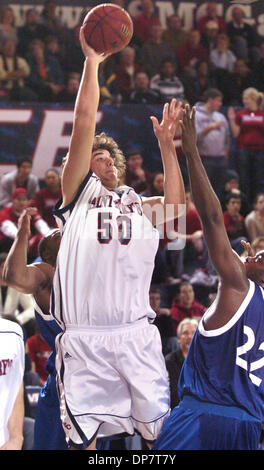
column 60, row 211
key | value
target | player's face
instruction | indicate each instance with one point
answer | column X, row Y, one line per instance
column 255, row 268
column 102, row 164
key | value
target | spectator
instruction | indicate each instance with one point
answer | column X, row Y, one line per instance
column 14, row 303
column 258, row 69
column 156, row 187
column 233, row 84
column 50, row 21
column 174, row 35
column 13, row 72
column 255, row 219
column 195, row 86
column 143, row 22
column 167, row 83
column 12, row 360
column 163, row 322
column 247, row 127
column 69, row 92
column 7, row 25
column 222, row 57
column 29, row 31
column 137, row 176
column 47, row 197
column 142, row 93
column 209, row 37
column 212, row 137
column 39, row 352
column 231, row 183
column 109, row 92
column 54, row 49
column 190, row 52
column 19, row 178
column 243, row 38
column 211, row 15
column 175, row 359
column 46, row 76
column 126, row 70
column 184, row 305
column 155, row 51
column 9, row 224
column 235, row 222
column 73, row 60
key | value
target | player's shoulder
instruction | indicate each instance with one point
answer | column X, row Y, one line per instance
column 46, row 269
column 8, row 326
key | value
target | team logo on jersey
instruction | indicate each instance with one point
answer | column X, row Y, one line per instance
column 5, row 365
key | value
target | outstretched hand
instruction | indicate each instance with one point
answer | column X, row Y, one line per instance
column 188, row 130
column 247, row 248
column 88, row 51
column 25, row 219
column 172, row 113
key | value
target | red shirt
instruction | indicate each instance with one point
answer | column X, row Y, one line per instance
column 44, row 201
column 193, row 224
column 186, row 54
column 142, row 25
column 39, row 352
column 235, row 228
column 251, row 125
column 179, row 312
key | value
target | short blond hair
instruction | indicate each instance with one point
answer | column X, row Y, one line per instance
column 103, row 141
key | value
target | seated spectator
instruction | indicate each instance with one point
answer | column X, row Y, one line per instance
column 46, row 76
column 190, row 52
column 184, row 305
column 39, row 352
column 222, row 57
column 14, row 70
column 46, row 198
column 125, row 72
column 51, row 21
column 167, row 83
column 174, row 35
column 109, row 91
column 209, row 37
column 14, row 303
column 233, row 84
column 54, row 49
column 235, row 222
column 73, row 60
column 154, row 51
column 247, row 127
column 196, row 86
column 163, row 322
column 231, row 183
column 175, row 359
column 29, row 31
column 142, row 93
column 8, row 29
column 211, row 15
column 22, row 177
column 9, row 220
column 243, row 38
column 156, row 187
column 137, row 176
column 143, row 22
column 254, row 221
column 69, row 92
column 258, row 69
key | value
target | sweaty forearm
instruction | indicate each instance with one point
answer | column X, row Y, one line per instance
column 204, row 197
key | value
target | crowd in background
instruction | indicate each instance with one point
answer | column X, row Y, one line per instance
column 212, row 65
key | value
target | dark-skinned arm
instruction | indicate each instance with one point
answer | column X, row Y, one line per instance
column 227, row 264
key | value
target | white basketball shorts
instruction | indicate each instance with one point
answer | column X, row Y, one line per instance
column 112, row 380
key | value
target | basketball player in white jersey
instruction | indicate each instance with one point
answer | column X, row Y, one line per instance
column 12, row 363
column 111, row 372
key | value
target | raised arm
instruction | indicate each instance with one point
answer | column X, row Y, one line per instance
column 174, row 193
column 228, row 265
column 16, row 273
column 84, row 123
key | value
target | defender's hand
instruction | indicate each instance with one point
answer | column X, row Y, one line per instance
column 25, row 219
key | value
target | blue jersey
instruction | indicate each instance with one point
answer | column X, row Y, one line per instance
column 226, row 366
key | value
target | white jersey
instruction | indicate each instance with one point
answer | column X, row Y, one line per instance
column 12, row 363
column 106, row 258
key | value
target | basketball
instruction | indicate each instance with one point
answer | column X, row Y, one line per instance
column 108, row 28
